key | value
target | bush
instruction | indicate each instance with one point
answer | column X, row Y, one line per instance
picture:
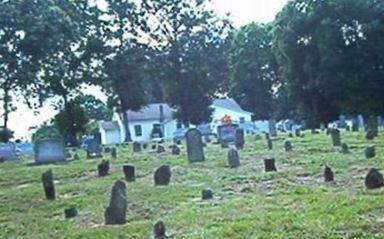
column 5, row 135
column 46, row 132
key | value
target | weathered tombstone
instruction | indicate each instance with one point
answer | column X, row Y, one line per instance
column 160, row 149
column 233, row 158
column 227, row 132
column 145, row 146
column 328, row 131
column 258, row 137
column 372, row 126
column 328, row 174
column 175, row 150
column 272, row 128
column 207, row 139
column 370, row 152
column 290, row 135
column 163, row 175
column 154, row 146
column 178, row 142
column 336, row 138
column 374, row 179
column 370, row 134
column 136, row 147
column 206, row 194
column 94, row 149
column 159, row 230
column 114, row 153
column 297, row 132
column 288, row 146
column 50, row 151
column 107, row 150
column 267, row 136
column 355, row 125
column 348, row 128
column 270, row 144
column 103, row 168
column 224, row 144
column 344, row 148
column 115, row 214
column 129, row 173
column 8, row 152
column 239, row 141
column 194, row 146
column 70, row 212
column 48, row 184
column 270, row 165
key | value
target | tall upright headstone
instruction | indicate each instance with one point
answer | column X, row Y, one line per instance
column 233, row 158
column 372, row 126
column 272, row 128
column 50, row 151
column 129, row 173
column 48, row 185
column 240, row 141
column 336, row 138
column 136, row 147
column 162, row 175
column 115, row 214
column 195, row 148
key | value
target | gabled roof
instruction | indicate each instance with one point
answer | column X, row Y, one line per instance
column 229, row 104
column 110, row 125
column 151, row 112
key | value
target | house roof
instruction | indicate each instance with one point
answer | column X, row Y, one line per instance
column 110, row 125
column 229, row 104
column 151, row 112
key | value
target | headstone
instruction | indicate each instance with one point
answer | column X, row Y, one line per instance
column 374, row 179
column 233, row 158
column 114, row 153
column 239, row 142
column 175, row 150
column 129, row 173
column 328, row 174
column 258, row 137
column 103, row 168
column 178, row 142
column 370, row 134
column 355, row 125
column 207, row 139
column 107, row 150
column 297, row 132
column 163, row 175
column 224, row 144
column 267, row 137
column 227, row 132
column 372, row 126
column 8, row 152
column 136, row 147
column 272, row 128
column 160, row 149
column 159, row 230
column 50, row 151
column 154, row 146
column 76, row 157
column 145, row 146
column 115, row 214
column 206, row 194
column 290, row 135
column 270, row 144
column 194, row 146
column 70, row 212
column 94, row 149
column 336, row 138
column 270, row 165
column 370, row 152
column 348, row 128
column 49, row 186
column 288, row 146
column 344, row 148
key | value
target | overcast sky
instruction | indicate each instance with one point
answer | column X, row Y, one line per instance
column 242, row 12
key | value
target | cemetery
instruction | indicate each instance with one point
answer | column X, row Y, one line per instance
column 313, row 190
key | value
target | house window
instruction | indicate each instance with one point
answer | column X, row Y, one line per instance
column 179, row 126
column 138, row 131
column 242, row 120
column 157, row 131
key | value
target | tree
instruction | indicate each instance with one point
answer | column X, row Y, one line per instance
column 189, row 37
column 253, row 69
column 94, row 108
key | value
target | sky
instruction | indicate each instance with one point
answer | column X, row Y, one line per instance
column 241, row 12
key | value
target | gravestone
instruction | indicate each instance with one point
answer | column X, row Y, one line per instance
column 370, row 134
column 103, row 168
column 107, row 150
column 76, row 157
column 162, row 175
column 374, row 179
column 8, row 152
column 114, row 153
column 154, row 146
column 115, row 214
column 145, row 146
column 94, row 149
column 239, row 139
column 207, row 139
column 194, row 146
column 288, row 146
column 272, row 128
column 344, row 148
column 50, row 151
column 290, row 135
column 267, row 137
column 297, row 132
column 160, row 149
column 136, row 147
column 227, row 133
column 370, row 152
column 336, row 138
column 159, row 230
column 48, row 185
column 70, row 212
column 129, row 173
column 233, row 158
column 269, row 165
column 175, row 150
column 328, row 174
column 206, row 194
column 224, row 144
column 270, row 144
column 355, row 125
column 372, row 126
column 258, row 137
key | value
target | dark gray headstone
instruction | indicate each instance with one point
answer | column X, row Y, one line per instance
column 344, row 148
column 107, row 150
column 272, row 128
column 290, row 135
column 159, row 230
column 160, row 149
column 374, row 179
column 115, row 214
column 288, row 146
column 233, row 158
column 328, row 174
column 355, row 125
column 206, row 194
column 94, row 149
column 336, row 138
column 70, row 212
column 258, row 137
column 370, row 152
column 50, row 151
column 8, row 152
column 129, row 173
column 270, row 144
column 194, row 146
column 297, row 132
column 224, row 144
column 269, row 165
column 239, row 143
column 136, row 147
column 145, row 146
column 48, row 185
column 372, row 126
column 163, row 175
column 103, row 168
column 114, row 153
column 175, row 150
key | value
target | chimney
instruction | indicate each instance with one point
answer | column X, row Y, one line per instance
column 161, row 109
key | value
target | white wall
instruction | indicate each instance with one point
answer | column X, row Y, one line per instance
column 220, row 112
column 169, row 128
column 112, row 137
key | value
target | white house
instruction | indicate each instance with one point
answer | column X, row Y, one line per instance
column 155, row 118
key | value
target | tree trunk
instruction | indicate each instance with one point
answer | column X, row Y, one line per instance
column 71, row 133
column 126, row 127
column 6, row 100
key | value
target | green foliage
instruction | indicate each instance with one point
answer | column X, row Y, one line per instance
column 46, row 132
column 94, row 108
column 5, row 135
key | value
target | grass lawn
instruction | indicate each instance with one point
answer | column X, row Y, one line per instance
column 248, row 203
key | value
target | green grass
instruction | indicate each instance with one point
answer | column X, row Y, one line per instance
column 248, row 203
